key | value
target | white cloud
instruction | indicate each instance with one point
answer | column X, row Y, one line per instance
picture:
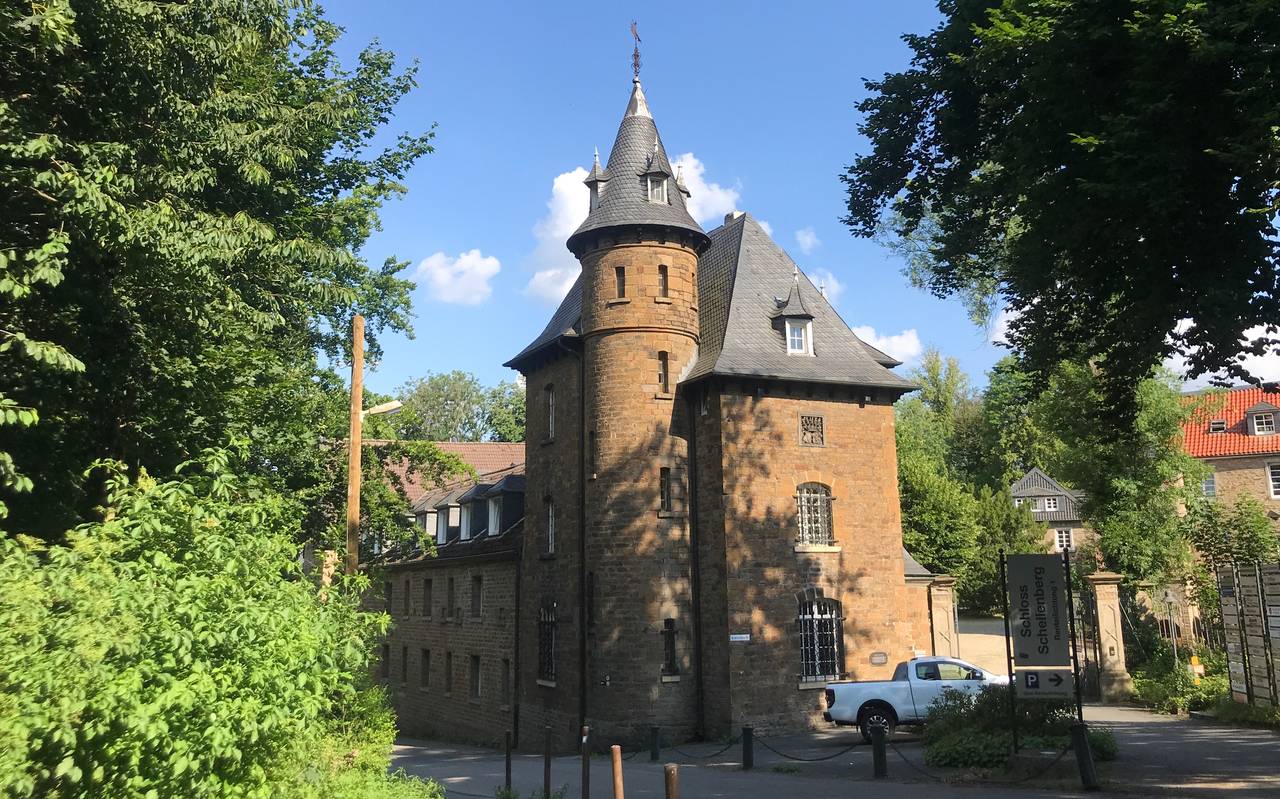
column 1264, row 367
column 707, row 202
column 807, row 239
column 998, row 330
column 904, row 346
column 768, row 228
column 551, row 284
column 463, row 280
column 566, row 208
column 825, row 278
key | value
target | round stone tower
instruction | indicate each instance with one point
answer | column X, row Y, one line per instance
column 639, row 252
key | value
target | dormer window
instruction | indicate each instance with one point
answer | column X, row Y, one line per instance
column 1050, row 503
column 657, row 189
column 1264, row 424
column 799, row 337
column 1218, row 426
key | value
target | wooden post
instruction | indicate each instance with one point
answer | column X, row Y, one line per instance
column 615, row 752
column 353, row 444
column 672, row 773
column 507, row 782
column 586, row 762
column 546, row 763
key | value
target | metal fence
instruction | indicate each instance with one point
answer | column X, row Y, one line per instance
column 1249, row 594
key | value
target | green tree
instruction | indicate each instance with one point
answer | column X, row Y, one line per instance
column 187, row 188
column 504, row 412
column 1109, row 169
column 939, row 517
column 176, row 649
column 442, row 407
column 1001, row 527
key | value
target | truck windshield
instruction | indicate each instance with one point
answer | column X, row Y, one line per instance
column 900, row 673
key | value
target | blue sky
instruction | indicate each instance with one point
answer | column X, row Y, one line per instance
column 760, row 95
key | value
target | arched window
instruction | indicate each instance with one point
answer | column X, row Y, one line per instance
column 821, row 627
column 813, row 514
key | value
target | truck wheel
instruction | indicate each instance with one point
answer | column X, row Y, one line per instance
column 877, row 715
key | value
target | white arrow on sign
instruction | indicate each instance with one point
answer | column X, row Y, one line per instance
column 1044, row 684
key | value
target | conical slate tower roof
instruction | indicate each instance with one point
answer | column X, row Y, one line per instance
column 624, row 198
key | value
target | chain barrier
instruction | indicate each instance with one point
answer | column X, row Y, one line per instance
column 913, row 766
column 847, row 749
column 609, row 752
column 1042, row 771
column 721, row 751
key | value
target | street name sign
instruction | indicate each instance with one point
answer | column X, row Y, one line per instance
column 1045, row 684
column 1038, row 611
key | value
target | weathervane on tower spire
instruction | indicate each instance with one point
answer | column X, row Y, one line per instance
column 635, row 53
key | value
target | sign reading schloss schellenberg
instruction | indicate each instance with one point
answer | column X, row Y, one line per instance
column 1038, row 611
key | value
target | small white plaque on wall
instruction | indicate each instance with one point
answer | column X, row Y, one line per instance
column 739, row 638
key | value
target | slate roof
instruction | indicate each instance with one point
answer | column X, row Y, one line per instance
column 483, row 456
column 624, row 199
column 566, row 321
column 740, row 279
column 911, row 567
column 1233, row 408
column 454, row 490
column 1036, row 484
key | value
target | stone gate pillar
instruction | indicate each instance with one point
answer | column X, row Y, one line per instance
column 942, row 616
column 1115, row 683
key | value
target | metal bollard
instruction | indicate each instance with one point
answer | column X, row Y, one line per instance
column 1084, row 756
column 654, row 746
column 748, row 753
column 508, row 766
column 879, row 755
column 546, row 763
column 586, row 762
column 672, row 773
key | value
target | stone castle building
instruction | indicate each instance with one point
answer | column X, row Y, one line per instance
column 708, row 521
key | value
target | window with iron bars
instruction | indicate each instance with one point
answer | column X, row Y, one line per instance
column 813, row 517
column 547, row 643
column 669, row 664
column 821, row 638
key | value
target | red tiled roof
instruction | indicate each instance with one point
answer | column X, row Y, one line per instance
column 1230, row 407
column 483, row 456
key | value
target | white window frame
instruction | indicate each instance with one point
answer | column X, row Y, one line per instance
column 805, row 329
column 657, row 189
column 551, row 528
column 1050, row 503
column 464, row 523
column 818, row 619
column 550, row 392
column 1218, row 426
column 495, row 515
column 815, row 516
column 1209, row 486
column 1017, row 502
column 1270, row 426
column 442, row 527
column 1058, row 538
column 1273, row 477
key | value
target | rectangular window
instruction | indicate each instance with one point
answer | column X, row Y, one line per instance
column 1017, row 502
column 1274, row 470
column 547, row 643
column 549, row 397
column 1064, row 541
column 448, row 672
column 442, row 528
column 451, row 606
column 424, row 669
column 506, row 682
column 620, row 281
column 404, row 664
column 821, row 640
column 1209, row 488
column 387, row 592
column 407, row 598
column 495, row 515
column 657, row 190
column 386, row 661
column 429, row 522
column 465, row 523
column 427, row 598
column 1218, row 426
column 1264, row 423
column 549, row 544
column 1050, row 503
column 813, row 512
column 664, row 381
column 475, row 676
column 664, row 488
column 797, row 337
column 477, row 595
column 704, row 403
column 669, row 664
column 662, row 280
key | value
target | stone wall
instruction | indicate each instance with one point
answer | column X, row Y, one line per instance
column 1245, row 477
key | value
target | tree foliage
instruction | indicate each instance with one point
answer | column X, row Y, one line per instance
column 454, row 406
column 187, row 188
column 1109, row 169
column 504, row 412
column 176, row 650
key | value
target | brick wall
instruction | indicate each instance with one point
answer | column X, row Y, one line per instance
column 1245, row 477
column 763, row 463
column 436, row 704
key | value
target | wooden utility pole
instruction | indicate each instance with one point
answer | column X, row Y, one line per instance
column 353, row 444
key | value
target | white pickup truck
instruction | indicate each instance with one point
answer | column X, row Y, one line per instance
column 906, row 697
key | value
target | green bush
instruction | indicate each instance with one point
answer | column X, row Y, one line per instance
column 1233, row 712
column 176, row 649
column 1168, row 685
column 974, row 730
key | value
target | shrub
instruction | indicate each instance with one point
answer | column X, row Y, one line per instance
column 1167, row 685
column 177, row 650
column 1233, row 712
